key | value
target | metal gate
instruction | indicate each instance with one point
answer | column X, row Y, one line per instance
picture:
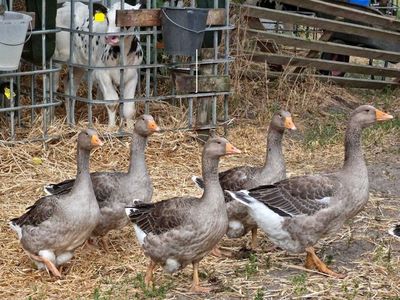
column 199, row 84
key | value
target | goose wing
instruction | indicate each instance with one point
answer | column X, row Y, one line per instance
column 297, row 195
column 233, row 179
column 162, row 216
column 39, row 212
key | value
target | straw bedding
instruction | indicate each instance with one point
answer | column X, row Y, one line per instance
column 362, row 249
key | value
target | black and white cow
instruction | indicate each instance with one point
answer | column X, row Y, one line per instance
column 105, row 52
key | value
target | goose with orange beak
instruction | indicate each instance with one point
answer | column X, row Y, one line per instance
column 182, row 230
column 296, row 213
column 115, row 190
column 247, row 177
column 54, row 226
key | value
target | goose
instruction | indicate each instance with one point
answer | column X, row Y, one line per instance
column 54, row 226
column 395, row 231
column 115, row 190
column 182, row 230
column 296, row 212
column 247, row 177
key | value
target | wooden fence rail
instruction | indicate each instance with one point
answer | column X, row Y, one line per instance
column 373, row 27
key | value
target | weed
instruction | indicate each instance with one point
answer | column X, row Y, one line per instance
column 299, row 284
column 268, row 262
column 259, row 295
column 329, row 259
column 252, row 265
column 159, row 292
column 324, row 132
column 96, row 294
column 351, row 292
column 382, row 256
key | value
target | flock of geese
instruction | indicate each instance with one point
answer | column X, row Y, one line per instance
column 293, row 212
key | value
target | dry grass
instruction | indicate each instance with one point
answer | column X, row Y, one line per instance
column 362, row 249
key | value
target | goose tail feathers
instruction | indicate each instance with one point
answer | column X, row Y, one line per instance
column 242, row 196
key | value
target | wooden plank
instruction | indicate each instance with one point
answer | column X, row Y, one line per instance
column 186, row 84
column 255, row 23
column 341, row 81
column 346, row 12
column 216, row 16
column 331, row 25
column 142, row 17
column 322, row 64
column 326, row 46
column 152, row 17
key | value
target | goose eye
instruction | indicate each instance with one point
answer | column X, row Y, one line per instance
column 367, row 110
column 219, row 143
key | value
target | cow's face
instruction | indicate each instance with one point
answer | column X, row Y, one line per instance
column 111, row 39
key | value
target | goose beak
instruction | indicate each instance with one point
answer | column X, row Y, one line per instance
column 96, row 141
column 153, row 127
column 289, row 123
column 230, row 149
column 382, row 116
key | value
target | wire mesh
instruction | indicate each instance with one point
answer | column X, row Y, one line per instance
column 151, row 72
column 25, row 97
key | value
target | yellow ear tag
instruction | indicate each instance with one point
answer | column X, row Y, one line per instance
column 99, row 17
column 7, row 93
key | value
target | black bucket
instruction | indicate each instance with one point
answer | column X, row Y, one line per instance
column 183, row 29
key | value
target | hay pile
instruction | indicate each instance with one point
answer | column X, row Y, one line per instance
column 362, row 249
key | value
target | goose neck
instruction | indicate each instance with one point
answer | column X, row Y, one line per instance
column 353, row 157
column 82, row 174
column 137, row 163
column 210, row 175
column 274, row 154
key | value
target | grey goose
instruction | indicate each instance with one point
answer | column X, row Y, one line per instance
column 115, row 190
column 296, row 213
column 247, row 177
column 54, row 226
column 182, row 230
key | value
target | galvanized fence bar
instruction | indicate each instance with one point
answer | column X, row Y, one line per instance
column 14, row 114
column 148, row 71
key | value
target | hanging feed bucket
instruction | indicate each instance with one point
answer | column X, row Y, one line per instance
column 183, row 29
column 13, row 28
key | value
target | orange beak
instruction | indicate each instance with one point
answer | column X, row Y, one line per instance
column 96, row 141
column 153, row 127
column 230, row 149
column 289, row 123
column 382, row 116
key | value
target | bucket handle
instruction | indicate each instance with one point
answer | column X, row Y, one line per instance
column 27, row 39
column 183, row 27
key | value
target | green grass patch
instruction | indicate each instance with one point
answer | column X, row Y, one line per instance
column 299, row 284
column 324, row 132
column 157, row 292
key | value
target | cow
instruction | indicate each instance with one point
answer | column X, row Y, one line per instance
column 106, row 52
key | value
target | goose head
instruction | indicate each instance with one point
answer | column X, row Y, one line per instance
column 282, row 120
column 219, row 146
column 146, row 126
column 366, row 115
column 88, row 139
